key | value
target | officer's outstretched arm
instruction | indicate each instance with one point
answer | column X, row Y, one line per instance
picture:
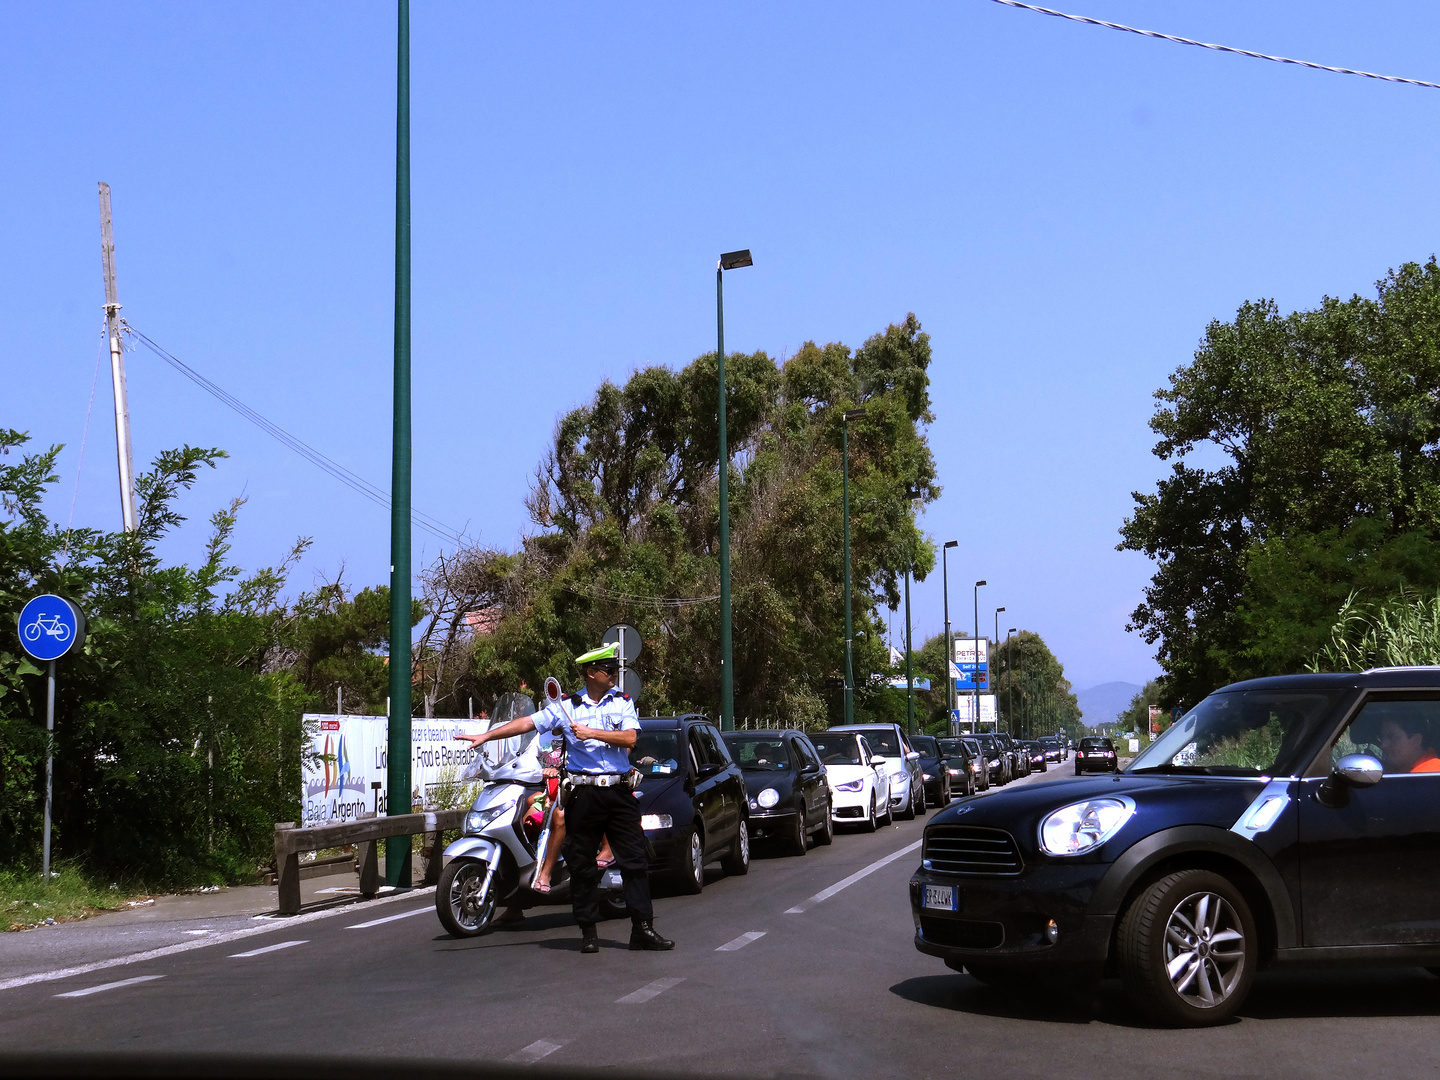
column 515, row 727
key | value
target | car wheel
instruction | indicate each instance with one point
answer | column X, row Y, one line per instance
column 889, row 818
column 692, row 874
column 869, row 825
column 826, row 833
column 921, row 804
column 1187, row 949
column 464, row 910
column 736, row 862
column 1077, row 770
column 797, row 839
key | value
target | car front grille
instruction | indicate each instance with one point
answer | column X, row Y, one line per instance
column 962, row 933
column 957, row 849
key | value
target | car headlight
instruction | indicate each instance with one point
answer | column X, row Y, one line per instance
column 1083, row 826
column 926, row 776
column 476, row 820
column 850, row 785
column 953, row 772
column 768, row 798
column 649, row 822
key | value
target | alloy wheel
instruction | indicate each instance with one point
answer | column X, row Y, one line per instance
column 1204, row 949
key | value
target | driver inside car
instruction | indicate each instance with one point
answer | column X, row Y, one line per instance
column 1405, row 744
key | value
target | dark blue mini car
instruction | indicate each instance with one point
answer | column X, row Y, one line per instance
column 1284, row 820
column 789, row 796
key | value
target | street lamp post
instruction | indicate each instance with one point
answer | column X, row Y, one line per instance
column 845, row 418
column 993, row 643
column 975, row 682
column 731, row 260
column 949, row 645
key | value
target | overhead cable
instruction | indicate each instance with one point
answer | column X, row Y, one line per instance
column 374, row 493
column 601, row 593
column 1217, row 48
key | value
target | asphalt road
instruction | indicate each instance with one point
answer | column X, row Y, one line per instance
column 768, row 979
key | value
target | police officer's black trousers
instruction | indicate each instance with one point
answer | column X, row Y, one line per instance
column 591, row 813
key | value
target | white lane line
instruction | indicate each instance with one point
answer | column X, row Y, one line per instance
column 741, row 941
column 203, row 942
column 110, row 986
column 267, row 948
column 648, row 991
column 845, row 883
column 528, row 1055
column 390, row 918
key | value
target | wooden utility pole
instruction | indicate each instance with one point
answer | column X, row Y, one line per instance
column 117, row 366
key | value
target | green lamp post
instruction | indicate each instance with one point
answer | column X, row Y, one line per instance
column 731, row 260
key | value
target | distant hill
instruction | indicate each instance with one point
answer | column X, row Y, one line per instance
column 1103, row 703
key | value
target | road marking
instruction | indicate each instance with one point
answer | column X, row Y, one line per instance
column 207, row 931
column 110, row 986
column 202, row 942
column 741, row 941
column 528, row 1055
column 267, row 948
column 389, row 918
column 648, row 991
column 845, row 883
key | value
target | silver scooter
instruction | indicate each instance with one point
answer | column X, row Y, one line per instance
column 494, row 863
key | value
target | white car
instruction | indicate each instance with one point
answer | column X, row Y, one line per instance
column 859, row 780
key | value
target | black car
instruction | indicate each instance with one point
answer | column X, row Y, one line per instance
column 788, row 794
column 693, row 805
column 1284, row 820
column 980, row 763
column 1019, row 757
column 1053, row 750
column 996, row 758
column 934, row 770
column 1096, row 755
column 1036, row 750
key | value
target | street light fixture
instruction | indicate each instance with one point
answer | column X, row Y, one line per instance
column 975, row 683
column 845, row 418
column 731, row 260
column 995, row 642
column 949, row 644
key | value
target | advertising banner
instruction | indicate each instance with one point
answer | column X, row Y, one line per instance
column 898, row 683
column 964, row 715
column 350, row 779
column 972, row 650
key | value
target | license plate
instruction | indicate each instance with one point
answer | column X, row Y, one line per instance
column 942, row 897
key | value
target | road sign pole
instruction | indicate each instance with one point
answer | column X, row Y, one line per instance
column 49, row 760
column 117, row 367
column 909, row 662
column 397, row 848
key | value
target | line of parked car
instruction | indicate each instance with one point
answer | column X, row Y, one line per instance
column 706, row 795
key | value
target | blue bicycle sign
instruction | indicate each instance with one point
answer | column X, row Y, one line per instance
column 50, row 626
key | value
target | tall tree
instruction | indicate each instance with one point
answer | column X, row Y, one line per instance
column 1305, row 464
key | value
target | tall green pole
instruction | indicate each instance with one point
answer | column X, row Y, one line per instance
column 909, row 662
column 849, row 631
column 397, row 791
column 727, row 667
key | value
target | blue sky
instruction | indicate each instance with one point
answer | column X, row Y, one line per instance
column 1064, row 208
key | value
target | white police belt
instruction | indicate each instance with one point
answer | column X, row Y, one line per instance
column 597, row 779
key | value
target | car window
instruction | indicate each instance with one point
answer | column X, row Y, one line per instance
column 1403, row 734
column 656, row 753
column 808, row 760
column 883, row 742
column 838, row 749
column 1239, row 733
column 714, row 750
column 759, row 753
column 925, row 745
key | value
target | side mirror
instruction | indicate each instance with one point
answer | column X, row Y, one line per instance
column 877, row 759
column 708, row 770
column 912, row 756
column 1351, row 771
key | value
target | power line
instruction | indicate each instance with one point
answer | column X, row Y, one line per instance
column 352, row 480
column 1217, row 48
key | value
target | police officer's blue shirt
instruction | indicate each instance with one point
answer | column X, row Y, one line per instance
column 613, row 712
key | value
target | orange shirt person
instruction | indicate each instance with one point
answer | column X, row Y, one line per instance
column 1403, row 749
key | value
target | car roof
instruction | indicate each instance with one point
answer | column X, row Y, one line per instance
column 862, row 728
column 1423, row 676
column 672, row 723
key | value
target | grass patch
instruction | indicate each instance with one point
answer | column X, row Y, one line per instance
column 26, row 901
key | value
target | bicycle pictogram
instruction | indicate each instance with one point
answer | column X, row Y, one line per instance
column 52, row 626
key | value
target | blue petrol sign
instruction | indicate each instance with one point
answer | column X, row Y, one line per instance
column 50, row 626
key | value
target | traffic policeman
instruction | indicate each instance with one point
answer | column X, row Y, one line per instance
column 600, row 727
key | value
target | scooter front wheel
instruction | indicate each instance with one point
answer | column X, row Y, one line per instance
column 463, row 899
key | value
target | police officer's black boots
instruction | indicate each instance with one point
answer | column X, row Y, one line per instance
column 589, row 942
column 643, row 936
